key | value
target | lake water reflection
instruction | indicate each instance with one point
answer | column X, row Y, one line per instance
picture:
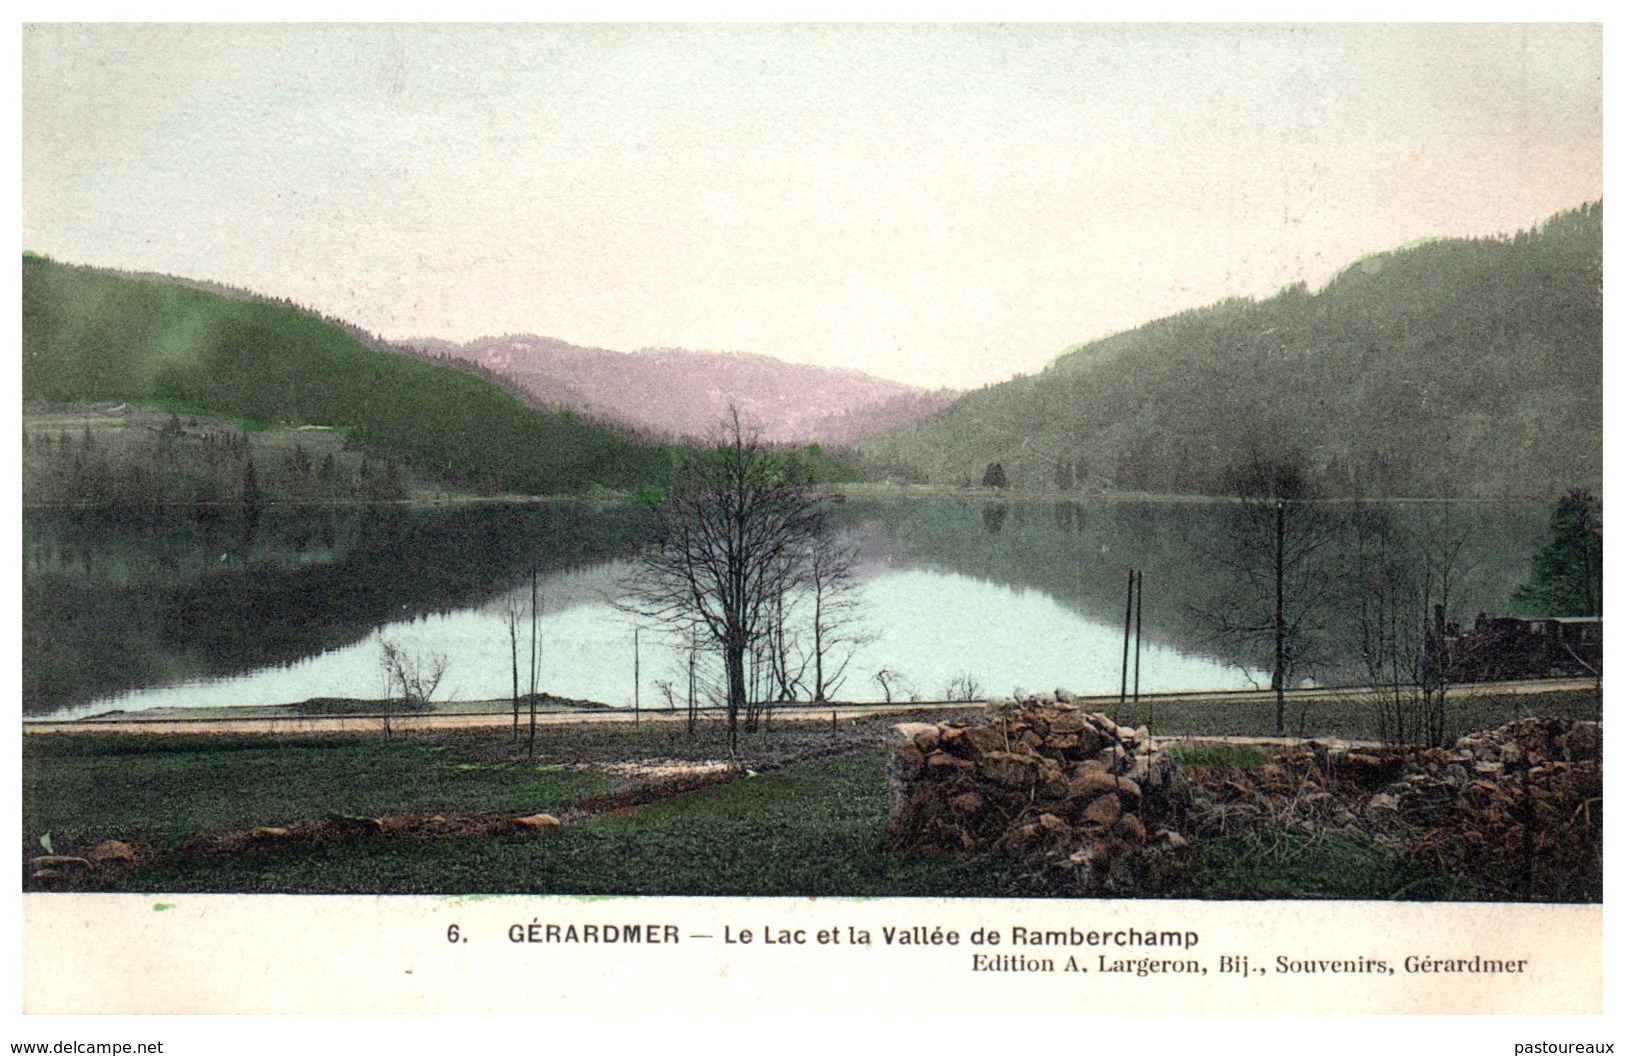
column 930, row 630
column 167, row 610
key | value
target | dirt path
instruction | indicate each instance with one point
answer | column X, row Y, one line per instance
column 288, row 724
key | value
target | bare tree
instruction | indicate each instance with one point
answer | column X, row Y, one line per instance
column 893, row 684
column 785, row 657
column 410, row 679
column 815, row 627
column 1404, row 586
column 1274, row 547
column 831, row 594
column 729, row 544
column 415, row 677
column 1386, row 628
column 778, row 663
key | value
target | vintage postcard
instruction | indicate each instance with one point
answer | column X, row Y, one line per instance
column 1030, row 519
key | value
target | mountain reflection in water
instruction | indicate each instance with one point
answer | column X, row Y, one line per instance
column 178, row 608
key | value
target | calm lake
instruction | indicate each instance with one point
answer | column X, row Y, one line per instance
column 166, row 608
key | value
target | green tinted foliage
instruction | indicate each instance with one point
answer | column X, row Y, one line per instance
column 89, row 337
column 1566, row 577
column 1285, row 863
column 1453, row 368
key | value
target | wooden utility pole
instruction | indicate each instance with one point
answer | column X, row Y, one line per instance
column 535, row 665
column 636, row 676
column 692, row 646
column 1128, row 624
column 511, row 613
column 1131, row 633
column 1139, row 611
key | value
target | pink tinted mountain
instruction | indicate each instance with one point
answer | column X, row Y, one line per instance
column 673, row 393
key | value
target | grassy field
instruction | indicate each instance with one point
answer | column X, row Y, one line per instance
column 808, row 819
column 170, row 789
column 811, row 829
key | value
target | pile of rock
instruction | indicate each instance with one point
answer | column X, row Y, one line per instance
column 1516, row 811
column 1090, row 807
column 1309, row 787
column 1034, row 778
column 1535, row 740
column 1527, row 823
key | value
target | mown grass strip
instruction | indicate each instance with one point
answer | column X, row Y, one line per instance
column 171, row 789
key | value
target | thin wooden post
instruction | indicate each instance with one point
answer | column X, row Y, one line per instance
column 535, row 664
column 691, row 651
column 1139, row 611
column 1128, row 619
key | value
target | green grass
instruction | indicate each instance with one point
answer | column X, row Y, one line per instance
column 1282, row 863
column 814, row 827
column 84, row 788
column 811, row 829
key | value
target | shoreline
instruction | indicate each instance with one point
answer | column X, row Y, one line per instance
column 286, row 718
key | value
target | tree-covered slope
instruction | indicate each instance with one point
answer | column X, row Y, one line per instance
column 90, row 336
column 1452, row 368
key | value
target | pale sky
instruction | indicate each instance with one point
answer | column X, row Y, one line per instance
column 944, row 205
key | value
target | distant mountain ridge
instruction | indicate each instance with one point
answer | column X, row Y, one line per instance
column 678, row 394
column 1451, row 368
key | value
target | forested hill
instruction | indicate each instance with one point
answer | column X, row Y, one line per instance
column 90, row 336
column 1453, row 368
column 678, row 393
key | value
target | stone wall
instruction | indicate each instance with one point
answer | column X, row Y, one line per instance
column 1036, row 779
column 1089, row 807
